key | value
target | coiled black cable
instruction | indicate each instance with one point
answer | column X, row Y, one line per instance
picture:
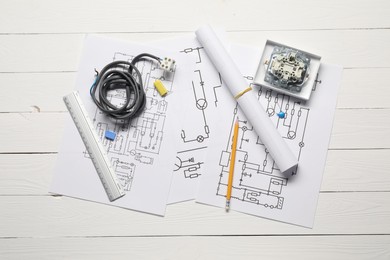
column 121, row 75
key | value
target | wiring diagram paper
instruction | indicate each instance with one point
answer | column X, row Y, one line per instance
column 258, row 186
column 202, row 102
column 196, row 116
column 144, row 149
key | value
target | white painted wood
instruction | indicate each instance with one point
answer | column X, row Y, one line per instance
column 364, row 88
column 42, row 132
column 40, row 45
column 349, row 48
column 148, row 15
column 42, row 53
column 31, row 132
column 61, row 52
column 44, row 91
column 35, row 92
column 47, row 216
column 229, row 248
column 362, row 128
column 346, row 170
column 26, row 174
column 357, row 170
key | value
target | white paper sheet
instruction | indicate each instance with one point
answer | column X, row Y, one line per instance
column 254, row 112
column 258, row 187
column 195, row 117
column 143, row 152
column 202, row 104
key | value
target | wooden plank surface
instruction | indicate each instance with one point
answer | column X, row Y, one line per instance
column 191, row 248
column 61, row 52
column 40, row 45
column 357, row 170
column 42, row 132
column 141, row 16
column 43, row 91
column 346, row 170
column 48, row 216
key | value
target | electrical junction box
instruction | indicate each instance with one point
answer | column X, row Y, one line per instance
column 287, row 70
column 167, row 64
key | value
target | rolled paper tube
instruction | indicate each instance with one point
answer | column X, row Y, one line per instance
column 250, row 106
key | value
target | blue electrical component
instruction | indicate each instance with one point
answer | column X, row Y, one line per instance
column 110, row 135
column 281, row 114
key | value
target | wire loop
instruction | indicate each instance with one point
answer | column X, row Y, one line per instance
column 121, row 75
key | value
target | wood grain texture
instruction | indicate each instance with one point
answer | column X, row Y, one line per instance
column 40, row 45
column 365, row 128
column 26, row 174
column 42, row 132
column 24, row 16
column 31, row 132
column 35, row 92
column 61, row 52
column 44, row 91
column 364, row 88
column 47, row 216
column 191, row 248
column 357, row 170
column 346, row 170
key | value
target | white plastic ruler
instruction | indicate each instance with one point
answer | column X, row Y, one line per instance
column 94, row 147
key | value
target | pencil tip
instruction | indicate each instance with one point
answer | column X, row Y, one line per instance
column 227, row 207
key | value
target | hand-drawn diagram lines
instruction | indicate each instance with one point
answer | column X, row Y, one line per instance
column 196, row 132
column 190, row 162
column 260, row 181
column 201, row 105
column 137, row 141
column 125, row 172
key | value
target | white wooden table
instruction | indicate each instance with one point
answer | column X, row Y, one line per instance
column 40, row 45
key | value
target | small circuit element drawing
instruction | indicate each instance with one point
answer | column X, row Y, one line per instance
column 138, row 140
column 260, row 181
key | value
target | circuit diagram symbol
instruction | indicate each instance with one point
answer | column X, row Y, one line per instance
column 196, row 133
column 189, row 162
column 124, row 171
column 200, row 103
column 140, row 139
column 259, row 180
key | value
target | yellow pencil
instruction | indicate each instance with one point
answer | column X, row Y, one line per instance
column 231, row 168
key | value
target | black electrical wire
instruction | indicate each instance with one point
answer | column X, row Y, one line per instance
column 121, row 75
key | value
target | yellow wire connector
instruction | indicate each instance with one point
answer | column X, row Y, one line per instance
column 160, row 88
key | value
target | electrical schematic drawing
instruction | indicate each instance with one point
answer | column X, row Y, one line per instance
column 139, row 139
column 260, row 181
column 195, row 135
